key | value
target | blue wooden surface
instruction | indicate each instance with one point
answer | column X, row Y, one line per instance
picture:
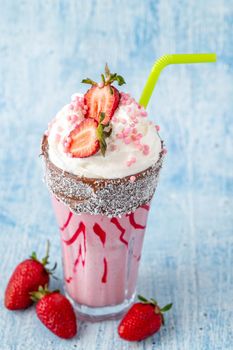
column 46, row 47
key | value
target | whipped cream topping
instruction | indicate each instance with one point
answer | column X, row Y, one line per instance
column 133, row 146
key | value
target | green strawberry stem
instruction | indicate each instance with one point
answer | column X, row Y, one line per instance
column 45, row 260
column 102, row 134
column 41, row 292
column 108, row 78
column 153, row 302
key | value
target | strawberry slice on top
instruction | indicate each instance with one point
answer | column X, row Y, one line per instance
column 103, row 97
column 84, row 141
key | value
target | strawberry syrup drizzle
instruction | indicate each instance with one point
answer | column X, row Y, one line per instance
column 104, row 277
column 133, row 222
column 81, row 228
column 69, row 279
column 146, row 206
column 77, row 260
column 115, row 221
column 67, row 222
column 100, row 233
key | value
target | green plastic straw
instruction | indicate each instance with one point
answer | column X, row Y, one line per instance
column 164, row 61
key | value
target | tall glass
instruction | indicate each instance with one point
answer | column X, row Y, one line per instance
column 102, row 224
column 101, row 257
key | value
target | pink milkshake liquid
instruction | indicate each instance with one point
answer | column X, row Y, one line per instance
column 101, row 257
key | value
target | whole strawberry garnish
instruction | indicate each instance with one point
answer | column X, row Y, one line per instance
column 56, row 312
column 142, row 320
column 88, row 137
column 27, row 277
column 103, row 97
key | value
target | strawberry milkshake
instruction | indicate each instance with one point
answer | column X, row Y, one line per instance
column 102, row 161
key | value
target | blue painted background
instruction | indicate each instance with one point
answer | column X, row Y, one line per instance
column 46, row 48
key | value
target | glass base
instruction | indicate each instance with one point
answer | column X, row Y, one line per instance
column 97, row 314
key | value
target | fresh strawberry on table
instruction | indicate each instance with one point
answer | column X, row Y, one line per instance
column 142, row 320
column 56, row 312
column 27, row 277
column 103, row 97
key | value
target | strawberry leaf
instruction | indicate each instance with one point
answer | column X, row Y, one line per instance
column 102, row 134
column 103, row 78
column 154, row 302
column 166, row 307
column 120, row 80
column 141, row 298
column 88, row 81
column 102, row 116
column 34, row 256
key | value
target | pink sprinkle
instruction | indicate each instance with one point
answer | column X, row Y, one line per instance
column 127, row 140
column 126, row 132
column 57, row 137
column 74, row 118
column 139, row 136
column 71, row 106
column 120, row 136
column 132, row 125
column 123, row 121
column 76, row 105
column 133, row 137
column 128, row 163
column 123, row 102
column 69, row 117
column 134, row 131
column 114, row 119
column 132, row 178
column 157, row 127
column 146, row 150
column 143, row 113
column 133, row 160
column 164, row 151
column 137, row 142
column 140, row 147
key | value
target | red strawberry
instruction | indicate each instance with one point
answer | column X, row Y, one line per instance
column 84, row 140
column 102, row 99
column 56, row 312
column 142, row 320
column 27, row 277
